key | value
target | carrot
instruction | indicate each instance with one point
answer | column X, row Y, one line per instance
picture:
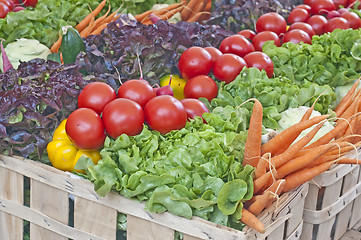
column 99, row 29
column 86, row 31
column 350, row 111
column 140, row 17
column 346, row 100
column 208, row 6
column 284, row 139
column 260, row 204
column 252, row 221
column 301, row 162
column 100, row 19
column 276, row 189
column 300, row 177
column 198, row 16
column 309, row 111
column 252, row 148
column 197, row 9
column 85, row 22
column 262, row 165
column 170, row 13
column 292, row 151
column 55, row 47
column 263, row 180
column 348, row 161
column 168, row 8
column 188, row 9
column 324, row 159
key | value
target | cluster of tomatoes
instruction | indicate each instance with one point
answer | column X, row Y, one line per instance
column 101, row 112
column 7, row 6
column 314, row 17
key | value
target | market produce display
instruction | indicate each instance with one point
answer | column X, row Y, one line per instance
column 175, row 114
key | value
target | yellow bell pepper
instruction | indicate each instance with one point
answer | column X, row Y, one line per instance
column 177, row 84
column 63, row 154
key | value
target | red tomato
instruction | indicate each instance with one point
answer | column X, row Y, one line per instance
column 95, row 96
column 309, row 2
column 303, row 26
column 318, row 23
column 298, row 15
column 353, row 19
column 263, row 37
column 339, row 3
column 165, row 113
column 297, row 36
column 86, row 129
column 236, row 44
column 214, row 53
column 137, row 90
column 228, row 66
column 30, row 3
column 247, row 33
column 271, row 22
column 194, row 107
column 201, row 86
column 123, row 116
column 336, row 23
column 304, row 6
column 4, row 10
column 320, row 6
column 195, row 61
column 8, row 3
column 261, row 61
column 332, row 14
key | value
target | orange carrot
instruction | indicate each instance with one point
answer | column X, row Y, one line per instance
column 346, row 100
column 198, row 16
column 350, row 111
column 252, row 221
column 252, row 148
column 260, row 204
column 276, row 189
column 348, row 161
column 208, row 6
column 324, row 159
column 86, row 31
column 262, row 165
column 188, row 9
column 309, row 111
column 170, row 13
column 85, row 22
column 284, row 139
column 99, row 29
column 100, row 19
column 140, row 17
column 263, row 180
column 300, row 177
column 55, row 47
column 198, row 8
column 168, row 8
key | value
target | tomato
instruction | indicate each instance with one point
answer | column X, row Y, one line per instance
column 123, row 116
column 201, row 86
column 30, row 3
column 304, row 6
column 303, row 26
column 263, row 37
column 85, row 129
column 353, row 19
column 4, row 10
column 320, row 6
column 236, row 44
column 165, row 113
column 297, row 36
column 339, row 3
column 194, row 107
column 298, row 15
column 336, row 23
column 8, row 3
column 137, row 90
column 273, row 22
column 214, row 53
column 177, row 84
column 18, row 8
column 261, row 61
column 309, row 2
column 247, row 33
column 332, row 14
column 318, row 23
column 96, row 95
column 195, row 61
column 228, row 66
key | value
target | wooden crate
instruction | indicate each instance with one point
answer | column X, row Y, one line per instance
column 51, row 216
column 333, row 203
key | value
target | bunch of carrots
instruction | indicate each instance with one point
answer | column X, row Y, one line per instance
column 190, row 10
column 283, row 164
column 91, row 25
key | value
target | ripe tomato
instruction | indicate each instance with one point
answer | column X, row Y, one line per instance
column 309, row 2
column 137, row 90
column 95, row 96
column 201, row 86
column 303, row 26
column 194, row 107
column 30, row 3
column 165, row 113
column 336, row 23
column 4, row 10
column 236, row 44
column 319, row 6
column 85, row 128
column 271, row 22
column 8, row 3
column 247, row 33
column 261, row 61
column 228, row 66
column 123, row 116
column 318, row 23
column 353, row 19
column 298, row 15
column 214, row 53
column 304, row 6
column 297, row 36
column 263, row 37
column 339, row 3
column 195, row 61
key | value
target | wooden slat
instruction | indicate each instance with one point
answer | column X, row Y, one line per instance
column 11, row 188
column 53, row 203
column 296, row 234
column 278, row 233
column 139, row 229
column 95, row 218
column 187, row 237
column 356, row 208
column 351, row 235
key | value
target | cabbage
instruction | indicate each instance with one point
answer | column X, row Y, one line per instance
column 341, row 91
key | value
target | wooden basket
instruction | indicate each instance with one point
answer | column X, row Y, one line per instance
column 333, row 203
column 51, row 216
